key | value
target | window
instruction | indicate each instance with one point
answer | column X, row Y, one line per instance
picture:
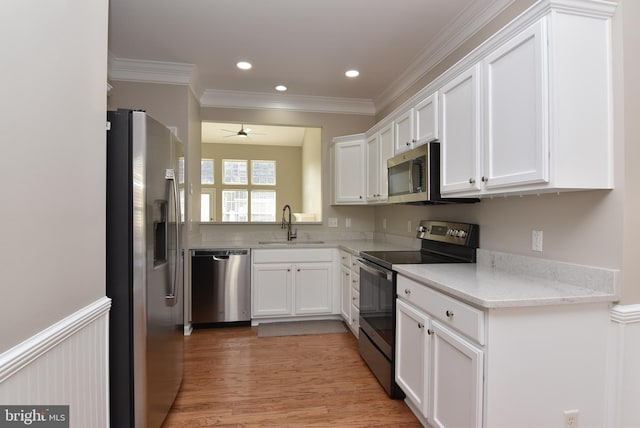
column 234, row 172
column 207, row 204
column 263, row 172
column 263, row 205
column 206, row 171
column 235, row 205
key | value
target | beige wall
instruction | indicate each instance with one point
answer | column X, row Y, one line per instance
column 52, row 221
column 288, row 171
column 312, row 172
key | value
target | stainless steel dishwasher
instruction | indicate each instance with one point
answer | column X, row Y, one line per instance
column 220, row 287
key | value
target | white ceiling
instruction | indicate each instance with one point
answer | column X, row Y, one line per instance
column 305, row 44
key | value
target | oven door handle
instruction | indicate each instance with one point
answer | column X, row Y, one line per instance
column 375, row 270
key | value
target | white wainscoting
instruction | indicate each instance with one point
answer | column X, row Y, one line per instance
column 65, row 364
column 624, row 368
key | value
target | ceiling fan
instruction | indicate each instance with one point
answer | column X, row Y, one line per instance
column 242, row 133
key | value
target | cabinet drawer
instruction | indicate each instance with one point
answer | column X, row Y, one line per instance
column 292, row 255
column 451, row 312
column 345, row 259
column 355, row 318
column 355, row 280
column 355, row 299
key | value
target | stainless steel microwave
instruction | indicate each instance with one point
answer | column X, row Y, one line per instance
column 414, row 177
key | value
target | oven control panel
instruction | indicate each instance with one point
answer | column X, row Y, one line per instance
column 465, row 234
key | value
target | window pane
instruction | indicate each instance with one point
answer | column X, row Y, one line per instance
column 234, row 172
column 181, row 170
column 263, row 205
column 204, row 207
column 235, row 205
column 207, row 204
column 206, row 171
column 263, row 172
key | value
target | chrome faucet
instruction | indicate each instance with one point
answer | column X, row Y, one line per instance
column 287, row 224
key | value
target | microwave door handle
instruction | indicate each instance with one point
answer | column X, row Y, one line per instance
column 411, row 166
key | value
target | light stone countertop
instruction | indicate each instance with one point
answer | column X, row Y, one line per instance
column 502, row 280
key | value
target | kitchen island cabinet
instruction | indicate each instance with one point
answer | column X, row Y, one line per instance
column 502, row 350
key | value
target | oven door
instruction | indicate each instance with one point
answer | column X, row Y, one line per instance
column 377, row 305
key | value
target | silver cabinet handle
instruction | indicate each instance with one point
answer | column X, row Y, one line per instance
column 449, row 314
column 472, row 181
column 429, row 332
column 407, row 291
column 420, row 325
column 485, row 179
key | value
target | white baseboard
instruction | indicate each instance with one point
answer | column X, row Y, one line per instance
column 65, row 364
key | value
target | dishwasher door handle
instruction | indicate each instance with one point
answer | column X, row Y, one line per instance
column 220, row 258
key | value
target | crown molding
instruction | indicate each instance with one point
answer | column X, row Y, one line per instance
column 466, row 24
column 134, row 70
column 263, row 100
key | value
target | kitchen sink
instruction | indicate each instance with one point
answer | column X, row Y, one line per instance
column 289, row 242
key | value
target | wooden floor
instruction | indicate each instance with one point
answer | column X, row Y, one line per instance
column 232, row 378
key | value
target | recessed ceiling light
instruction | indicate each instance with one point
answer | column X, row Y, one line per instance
column 352, row 73
column 281, row 88
column 243, row 65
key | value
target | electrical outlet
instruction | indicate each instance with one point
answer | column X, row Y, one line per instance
column 333, row 222
column 571, row 418
column 384, row 223
column 347, row 223
column 409, row 229
column 536, row 240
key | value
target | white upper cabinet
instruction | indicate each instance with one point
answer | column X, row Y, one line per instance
column 460, row 131
column 425, row 120
column 349, row 171
column 544, row 112
column 403, row 131
column 516, row 108
column 418, row 125
column 379, row 148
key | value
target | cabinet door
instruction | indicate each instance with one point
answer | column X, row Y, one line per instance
column 271, row 291
column 412, row 354
column 349, row 164
column 460, row 133
column 385, row 142
column 313, row 288
column 516, row 130
column 345, row 302
column 456, row 380
column 403, row 129
column 373, row 168
column 425, row 120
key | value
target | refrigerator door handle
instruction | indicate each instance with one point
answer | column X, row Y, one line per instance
column 170, row 175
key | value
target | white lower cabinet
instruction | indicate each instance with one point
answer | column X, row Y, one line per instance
column 412, row 355
column 503, row 367
column 440, row 372
column 287, row 283
column 456, row 379
column 350, row 291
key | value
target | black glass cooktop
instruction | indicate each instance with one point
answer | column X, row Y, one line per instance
column 389, row 258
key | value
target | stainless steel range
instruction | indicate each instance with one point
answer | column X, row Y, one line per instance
column 442, row 242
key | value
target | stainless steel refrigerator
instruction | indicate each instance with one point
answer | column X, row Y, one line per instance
column 144, row 269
